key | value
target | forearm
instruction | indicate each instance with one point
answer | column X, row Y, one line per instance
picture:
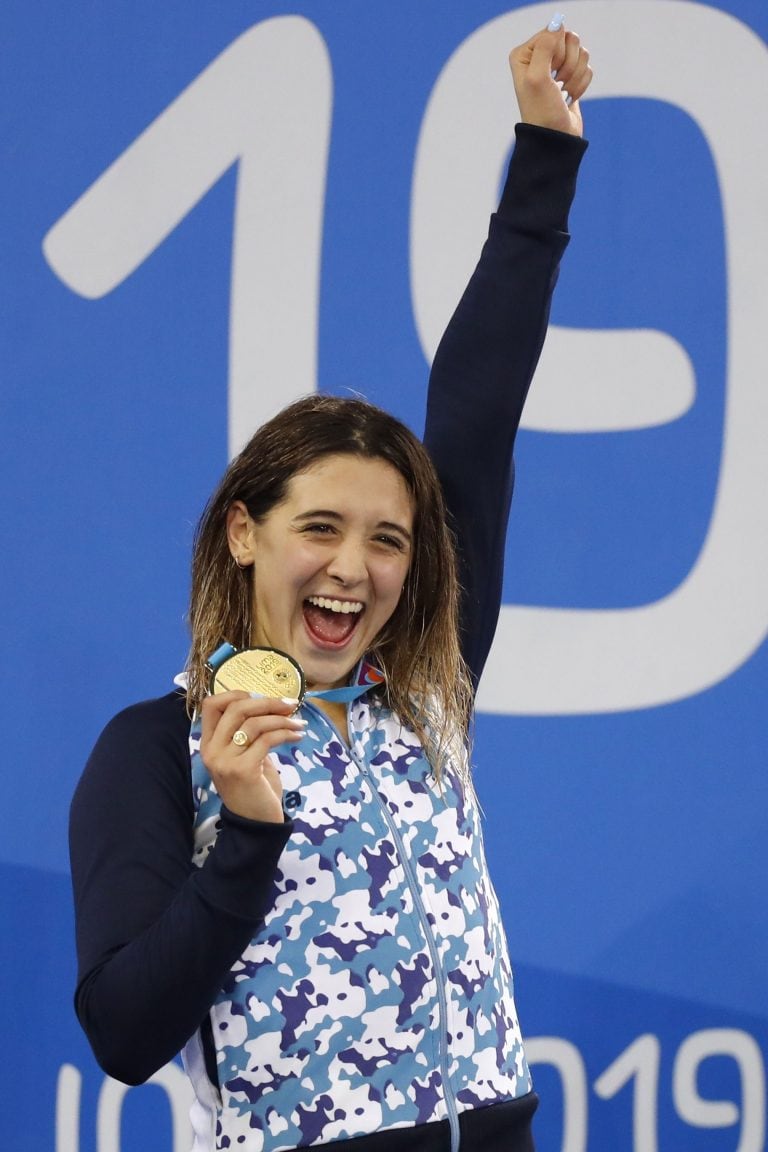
column 156, row 936
column 486, row 360
column 143, row 1001
column 487, row 356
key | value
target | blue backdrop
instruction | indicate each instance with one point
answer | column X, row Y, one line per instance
column 209, row 209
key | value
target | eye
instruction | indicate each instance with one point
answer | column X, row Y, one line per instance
column 390, row 541
column 319, row 529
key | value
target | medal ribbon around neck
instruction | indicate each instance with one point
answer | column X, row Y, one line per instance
column 272, row 673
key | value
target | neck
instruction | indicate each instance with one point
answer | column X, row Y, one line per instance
column 336, row 711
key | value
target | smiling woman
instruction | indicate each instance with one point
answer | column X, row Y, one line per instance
column 329, row 563
column 334, row 501
column 295, row 891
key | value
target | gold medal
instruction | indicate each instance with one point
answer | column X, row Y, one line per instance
column 265, row 671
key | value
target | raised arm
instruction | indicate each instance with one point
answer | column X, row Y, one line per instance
column 486, row 359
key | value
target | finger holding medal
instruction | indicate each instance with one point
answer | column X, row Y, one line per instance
column 238, row 733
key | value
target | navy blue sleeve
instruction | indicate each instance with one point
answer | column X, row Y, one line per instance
column 484, row 365
column 156, row 936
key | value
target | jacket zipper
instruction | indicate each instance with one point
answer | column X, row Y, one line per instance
column 450, row 1102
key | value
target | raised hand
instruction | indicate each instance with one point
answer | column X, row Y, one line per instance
column 551, row 73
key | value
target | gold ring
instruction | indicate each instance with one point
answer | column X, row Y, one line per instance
column 240, row 738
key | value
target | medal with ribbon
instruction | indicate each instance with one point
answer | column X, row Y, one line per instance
column 272, row 673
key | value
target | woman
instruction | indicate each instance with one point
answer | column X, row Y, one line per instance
column 309, row 915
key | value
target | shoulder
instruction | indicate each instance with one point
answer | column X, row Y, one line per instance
column 144, row 748
column 163, row 721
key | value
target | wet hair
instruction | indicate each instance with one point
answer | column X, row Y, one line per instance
column 418, row 650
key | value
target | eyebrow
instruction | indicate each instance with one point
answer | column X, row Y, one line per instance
column 329, row 514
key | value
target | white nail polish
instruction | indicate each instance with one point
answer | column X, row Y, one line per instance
column 556, row 23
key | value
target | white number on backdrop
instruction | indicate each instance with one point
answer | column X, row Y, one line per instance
column 741, row 1048
column 566, row 1058
column 265, row 104
column 110, row 1107
column 550, row 661
column 639, row 1065
column 638, row 1062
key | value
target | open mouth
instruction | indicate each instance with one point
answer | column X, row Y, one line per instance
column 332, row 621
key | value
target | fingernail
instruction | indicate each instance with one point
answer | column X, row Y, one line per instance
column 297, row 722
column 289, row 701
column 556, row 23
column 569, row 100
column 553, row 73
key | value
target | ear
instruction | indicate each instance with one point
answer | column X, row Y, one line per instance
column 240, row 534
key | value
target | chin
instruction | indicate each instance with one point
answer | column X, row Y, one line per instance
column 331, row 671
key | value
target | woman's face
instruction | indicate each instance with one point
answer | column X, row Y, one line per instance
column 329, row 563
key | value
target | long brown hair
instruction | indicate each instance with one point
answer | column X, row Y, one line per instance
column 418, row 649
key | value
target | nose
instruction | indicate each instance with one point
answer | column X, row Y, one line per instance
column 348, row 565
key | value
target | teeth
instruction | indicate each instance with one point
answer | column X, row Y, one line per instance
column 345, row 606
